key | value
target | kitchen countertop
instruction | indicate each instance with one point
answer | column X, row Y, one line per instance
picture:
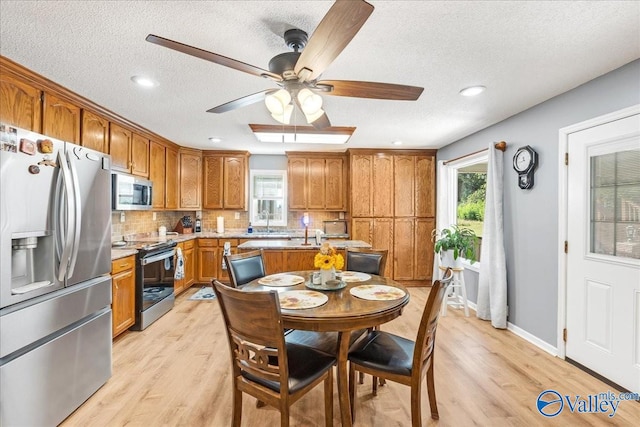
column 281, row 236
column 299, row 244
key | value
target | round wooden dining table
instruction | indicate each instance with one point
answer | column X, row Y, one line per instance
column 342, row 313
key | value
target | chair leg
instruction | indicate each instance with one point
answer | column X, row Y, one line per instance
column 431, row 391
column 360, row 378
column 237, row 407
column 375, row 386
column 352, row 391
column 328, row 398
column 284, row 415
column 416, row 411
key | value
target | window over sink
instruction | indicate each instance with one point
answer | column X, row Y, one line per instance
column 268, row 198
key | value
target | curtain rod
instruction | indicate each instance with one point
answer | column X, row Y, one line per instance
column 502, row 146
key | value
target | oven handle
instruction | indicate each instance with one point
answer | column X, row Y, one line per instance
column 159, row 257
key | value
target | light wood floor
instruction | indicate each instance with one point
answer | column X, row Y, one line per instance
column 176, row 373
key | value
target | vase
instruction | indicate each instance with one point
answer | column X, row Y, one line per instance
column 327, row 274
column 447, row 260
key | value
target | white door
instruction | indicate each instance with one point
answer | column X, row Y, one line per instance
column 603, row 261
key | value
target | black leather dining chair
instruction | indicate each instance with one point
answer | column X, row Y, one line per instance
column 245, row 267
column 401, row 360
column 371, row 261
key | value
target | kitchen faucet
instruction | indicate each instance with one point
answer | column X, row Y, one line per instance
column 265, row 214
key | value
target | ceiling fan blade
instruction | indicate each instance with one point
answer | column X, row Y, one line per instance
column 240, row 102
column 373, row 90
column 213, row 57
column 321, row 122
column 335, row 31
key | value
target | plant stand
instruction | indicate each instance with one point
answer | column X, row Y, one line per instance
column 456, row 293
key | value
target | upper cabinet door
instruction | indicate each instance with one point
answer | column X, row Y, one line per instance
column 172, row 168
column 139, row 156
column 120, row 148
column 20, row 104
column 383, row 185
column 316, row 183
column 157, row 166
column 361, row 181
column 335, row 191
column 61, row 119
column 212, row 167
column 235, row 183
column 190, row 180
column 95, row 132
column 297, row 177
column 404, row 177
column 425, row 186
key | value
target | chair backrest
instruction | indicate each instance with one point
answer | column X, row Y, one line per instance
column 255, row 334
column 245, row 267
column 425, row 342
column 370, row 261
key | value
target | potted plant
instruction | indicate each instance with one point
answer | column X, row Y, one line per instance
column 454, row 243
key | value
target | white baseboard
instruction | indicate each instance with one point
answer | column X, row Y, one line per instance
column 525, row 335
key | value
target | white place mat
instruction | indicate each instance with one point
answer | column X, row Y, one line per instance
column 354, row 276
column 377, row 292
column 299, row 300
column 281, row 280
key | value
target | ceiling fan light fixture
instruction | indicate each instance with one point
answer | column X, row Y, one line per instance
column 310, row 102
column 314, row 116
column 277, row 102
column 472, row 90
column 285, row 116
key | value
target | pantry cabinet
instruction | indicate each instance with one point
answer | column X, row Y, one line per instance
column 60, row 119
column 393, row 208
column 123, row 286
column 20, row 103
column 95, row 132
column 225, row 177
column 317, row 181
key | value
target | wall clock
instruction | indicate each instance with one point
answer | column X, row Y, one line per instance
column 525, row 162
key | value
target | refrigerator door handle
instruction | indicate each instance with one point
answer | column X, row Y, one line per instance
column 66, row 211
column 77, row 208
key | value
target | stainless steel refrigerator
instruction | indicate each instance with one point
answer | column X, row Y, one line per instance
column 55, row 287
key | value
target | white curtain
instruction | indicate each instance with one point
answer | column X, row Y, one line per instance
column 443, row 203
column 492, row 283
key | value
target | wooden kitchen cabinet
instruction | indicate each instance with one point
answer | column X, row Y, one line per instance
column 416, row 175
column 379, row 233
column 95, row 132
column 372, row 185
column 317, row 181
column 139, row 156
column 274, row 262
column 123, row 287
column 188, row 255
column 157, row 173
column 120, row 148
column 225, row 178
column 208, row 260
column 60, row 119
column 413, row 249
column 172, row 182
column 20, row 103
column 190, row 179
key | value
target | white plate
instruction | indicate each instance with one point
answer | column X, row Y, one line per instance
column 377, row 292
column 281, row 280
column 299, row 300
column 354, row 276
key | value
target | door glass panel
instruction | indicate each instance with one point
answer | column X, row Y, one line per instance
column 615, row 204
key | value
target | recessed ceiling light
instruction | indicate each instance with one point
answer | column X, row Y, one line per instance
column 215, row 139
column 472, row 90
column 143, row 81
column 396, row 142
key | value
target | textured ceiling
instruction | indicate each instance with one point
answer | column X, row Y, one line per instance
column 524, row 52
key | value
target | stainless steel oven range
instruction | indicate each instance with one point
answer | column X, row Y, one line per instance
column 154, row 282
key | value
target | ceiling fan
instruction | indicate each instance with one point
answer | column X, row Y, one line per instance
column 297, row 73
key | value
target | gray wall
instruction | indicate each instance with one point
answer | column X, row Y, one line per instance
column 531, row 216
column 268, row 162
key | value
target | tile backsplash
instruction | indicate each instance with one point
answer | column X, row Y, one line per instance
column 142, row 222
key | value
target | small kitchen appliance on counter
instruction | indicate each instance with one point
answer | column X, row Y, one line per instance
column 336, row 226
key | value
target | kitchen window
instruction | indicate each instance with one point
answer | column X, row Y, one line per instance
column 268, row 197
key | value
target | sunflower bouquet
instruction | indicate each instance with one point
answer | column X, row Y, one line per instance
column 328, row 258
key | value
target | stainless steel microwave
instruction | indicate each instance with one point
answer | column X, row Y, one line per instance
column 130, row 193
